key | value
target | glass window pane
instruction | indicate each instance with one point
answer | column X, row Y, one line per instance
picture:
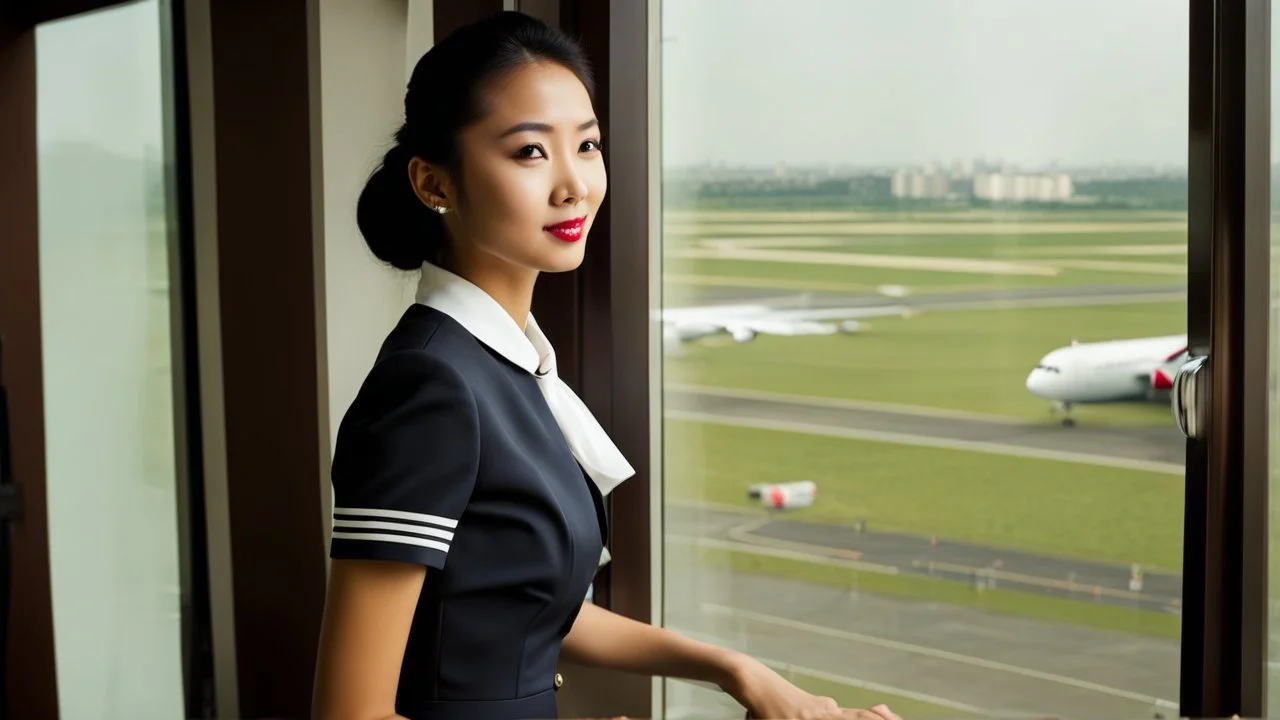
column 924, row 290
column 105, row 312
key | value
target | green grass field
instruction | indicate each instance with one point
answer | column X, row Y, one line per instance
column 974, row 360
column 1058, row 508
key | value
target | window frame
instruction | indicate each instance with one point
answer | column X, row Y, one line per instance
column 1224, row 646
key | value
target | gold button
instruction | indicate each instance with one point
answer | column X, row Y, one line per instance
column 559, row 680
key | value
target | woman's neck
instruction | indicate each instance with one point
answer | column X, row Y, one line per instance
column 508, row 284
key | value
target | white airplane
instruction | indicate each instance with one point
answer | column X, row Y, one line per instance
column 743, row 322
column 1113, row 371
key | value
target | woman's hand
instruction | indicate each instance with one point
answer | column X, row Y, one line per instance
column 768, row 696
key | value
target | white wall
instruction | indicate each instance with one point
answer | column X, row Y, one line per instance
column 365, row 53
column 362, row 83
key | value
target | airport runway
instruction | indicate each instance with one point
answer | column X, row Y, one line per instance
column 1160, row 449
column 962, row 659
column 1059, row 296
column 977, row 565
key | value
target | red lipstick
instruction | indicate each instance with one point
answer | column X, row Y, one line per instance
column 569, row 230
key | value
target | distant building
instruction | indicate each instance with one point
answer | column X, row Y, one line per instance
column 1010, row 187
column 978, row 180
column 930, row 183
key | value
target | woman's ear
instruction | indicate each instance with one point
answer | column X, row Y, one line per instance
column 431, row 185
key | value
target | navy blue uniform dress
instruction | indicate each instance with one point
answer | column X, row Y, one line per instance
column 464, row 452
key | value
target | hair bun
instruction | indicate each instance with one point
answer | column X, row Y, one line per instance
column 396, row 225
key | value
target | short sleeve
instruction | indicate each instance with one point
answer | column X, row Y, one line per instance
column 404, row 462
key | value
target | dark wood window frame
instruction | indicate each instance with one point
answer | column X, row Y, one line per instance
column 1224, row 639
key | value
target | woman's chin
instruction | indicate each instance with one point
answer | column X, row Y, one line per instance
column 564, row 259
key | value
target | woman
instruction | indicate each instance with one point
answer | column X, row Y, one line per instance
column 468, row 479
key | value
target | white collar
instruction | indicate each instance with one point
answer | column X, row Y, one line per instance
column 528, row 349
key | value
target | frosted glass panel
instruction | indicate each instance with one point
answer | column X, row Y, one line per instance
column 104, row 270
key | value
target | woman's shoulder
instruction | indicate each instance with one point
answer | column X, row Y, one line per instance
column 425, row 359
column 426, row 331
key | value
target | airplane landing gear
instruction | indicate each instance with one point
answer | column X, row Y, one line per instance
column 1067, row 421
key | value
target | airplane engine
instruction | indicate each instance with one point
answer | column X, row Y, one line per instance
column 741, row 334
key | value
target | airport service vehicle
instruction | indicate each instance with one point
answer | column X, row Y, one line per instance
column 784, row 496
column 1112, row 371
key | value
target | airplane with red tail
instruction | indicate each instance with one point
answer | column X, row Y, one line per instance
column 1112, row 371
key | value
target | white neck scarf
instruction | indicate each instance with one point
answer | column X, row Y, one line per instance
column 529, row 349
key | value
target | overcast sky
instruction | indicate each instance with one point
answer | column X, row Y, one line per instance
column 913, row 81
column 98, row 79
column 825, row 81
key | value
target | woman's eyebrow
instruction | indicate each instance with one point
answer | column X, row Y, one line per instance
column 543, row 127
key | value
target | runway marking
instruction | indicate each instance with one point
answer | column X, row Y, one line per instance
column 896, row 262
column 784, row 554
column 848, row 636
column 732, row 230
column 778, row 242
column 844, row 404
column 745, row 533
column 1144, row 250
column 784, row 667
column 925, row 441
column 1053, row 302
column 775, row 283
column 1148, row 268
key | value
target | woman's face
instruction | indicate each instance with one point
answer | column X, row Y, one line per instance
column 533, row 176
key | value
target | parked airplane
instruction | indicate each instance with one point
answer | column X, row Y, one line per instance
column 1113, row 371
column 743, row 322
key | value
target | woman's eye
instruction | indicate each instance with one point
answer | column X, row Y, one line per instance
column 590, row 146
column 529, row 152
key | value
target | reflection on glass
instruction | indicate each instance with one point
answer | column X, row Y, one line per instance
column 107, row 377
column 924, row 284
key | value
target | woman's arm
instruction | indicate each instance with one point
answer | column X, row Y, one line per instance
column 367, row 612
column 601, row 638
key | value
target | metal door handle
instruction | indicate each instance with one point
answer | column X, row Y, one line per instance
column 1190, row 397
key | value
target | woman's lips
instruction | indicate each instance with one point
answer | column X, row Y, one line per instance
column 569, row 230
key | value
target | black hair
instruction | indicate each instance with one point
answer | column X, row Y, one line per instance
column 445, row 95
